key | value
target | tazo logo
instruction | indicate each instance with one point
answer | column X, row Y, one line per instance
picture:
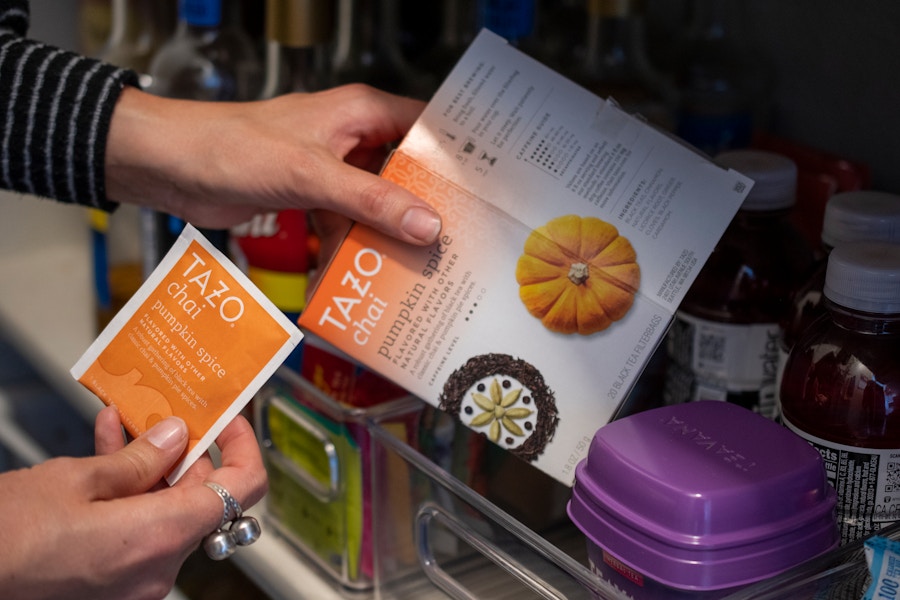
column 366, row 264
column 231, row 308
column 710, row 444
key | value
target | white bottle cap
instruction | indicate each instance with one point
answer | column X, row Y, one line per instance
column 774, row 177
column 865, row 276
column 862, row 215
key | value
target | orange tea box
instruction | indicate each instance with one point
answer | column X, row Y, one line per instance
column 197, row 340
column 571, row 232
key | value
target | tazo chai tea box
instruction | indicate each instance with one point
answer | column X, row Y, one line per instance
column 572, row 231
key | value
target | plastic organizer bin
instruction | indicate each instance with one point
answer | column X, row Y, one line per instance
column 436, row 537
column 316, row 452
column 839, row 575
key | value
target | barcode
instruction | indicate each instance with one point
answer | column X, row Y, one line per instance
column 711, row 348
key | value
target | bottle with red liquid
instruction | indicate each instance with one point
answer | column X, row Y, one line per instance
column 841, row 386
column 853, row 216
column 723, row 343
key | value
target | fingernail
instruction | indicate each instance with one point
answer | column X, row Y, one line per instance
column 421, row 223
column 167, row 434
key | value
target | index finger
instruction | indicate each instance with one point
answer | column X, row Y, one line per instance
column 242, row 471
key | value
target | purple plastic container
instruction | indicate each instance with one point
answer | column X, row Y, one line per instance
column 697, row 499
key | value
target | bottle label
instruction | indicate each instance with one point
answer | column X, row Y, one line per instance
column 202, row 13
column 783, row 355
column 867, row 482
column 723, row 361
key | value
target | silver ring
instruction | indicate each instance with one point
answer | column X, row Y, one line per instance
column 231, row 509
column 241, row 531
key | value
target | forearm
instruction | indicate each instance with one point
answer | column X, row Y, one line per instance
column 181, row 157
column 216, row 164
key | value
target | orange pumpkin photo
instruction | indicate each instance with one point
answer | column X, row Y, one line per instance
column 577, row 275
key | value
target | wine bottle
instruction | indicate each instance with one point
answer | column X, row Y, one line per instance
column 205, row 60
column 457, row 30
column 299, row 35
column 277, row 249
column 135, row 35
column 615, row 63
column 367, row 50
column 721, row 84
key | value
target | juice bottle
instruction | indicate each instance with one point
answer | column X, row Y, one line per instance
column 854, row 216
column 841, row 386
column 723, row 344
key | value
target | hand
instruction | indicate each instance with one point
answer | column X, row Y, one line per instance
column 104, row 526
column 216, row 164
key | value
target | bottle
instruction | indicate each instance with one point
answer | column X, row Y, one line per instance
column 721, row 84
column 854, row 216
column 204, row 60
column 117, row 259
column 615, row 63
column 841, row 387
column 723, row 343
column 367, row 50
column 514, row 20
column 94, row 23
column 278, row 249
column 117, row 239
column 135, row 35
column 562, row 45
column 298, row 45
column 457, row 30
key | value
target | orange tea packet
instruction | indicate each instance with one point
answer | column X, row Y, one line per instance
column 197, row 341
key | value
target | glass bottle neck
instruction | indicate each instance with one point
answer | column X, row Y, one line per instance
column 452, row 23
column 298, row 42
column 128, row 21
column 367, row 49
column 136, row 32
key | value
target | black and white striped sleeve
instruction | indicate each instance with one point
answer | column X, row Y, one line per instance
column 55, row 110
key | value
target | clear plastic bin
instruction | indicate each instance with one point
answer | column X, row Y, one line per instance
column 839, row 575
column 316, row 452
column 436, row 537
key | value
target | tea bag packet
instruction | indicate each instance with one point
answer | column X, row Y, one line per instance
column 883, row 558
column 197, row 341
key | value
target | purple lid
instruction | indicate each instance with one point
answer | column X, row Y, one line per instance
column 704, row 495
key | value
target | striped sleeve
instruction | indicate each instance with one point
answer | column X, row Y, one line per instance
column 55, row 111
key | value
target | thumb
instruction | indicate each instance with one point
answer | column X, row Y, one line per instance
column 144, row 462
